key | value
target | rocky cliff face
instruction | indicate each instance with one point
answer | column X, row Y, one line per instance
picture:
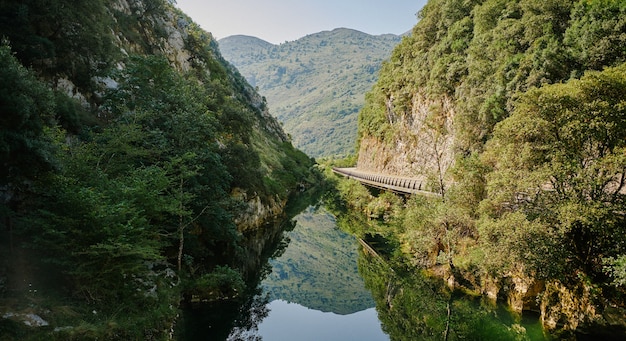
column 438, row 111
column 171, row 23
column 419, row 141
column 257, row 212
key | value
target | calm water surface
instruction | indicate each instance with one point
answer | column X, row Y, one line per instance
column 315, row 289
column 321, row 285
column 291, row 321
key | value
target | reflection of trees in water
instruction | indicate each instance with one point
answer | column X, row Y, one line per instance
column 261, row 245
column 251, row 315
column 239, row 318
column 236, row 319
column 318, row 270
column 412, row 306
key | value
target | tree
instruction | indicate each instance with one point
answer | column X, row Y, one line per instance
column 26, row 108
column 101, row 230
column 560, row 159
column 72, row 38
column 596, row 37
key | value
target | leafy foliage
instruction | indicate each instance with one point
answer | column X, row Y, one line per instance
column 537, row 91
column 27, row 107
column 559, row 158
column 122, row 183
column 65, row 38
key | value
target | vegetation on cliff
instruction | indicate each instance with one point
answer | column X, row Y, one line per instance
column 128, row 149
column 519, row 107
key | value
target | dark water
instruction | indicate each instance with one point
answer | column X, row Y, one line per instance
column 321, row 285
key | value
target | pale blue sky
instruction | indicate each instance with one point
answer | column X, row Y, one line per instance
column 278, row 21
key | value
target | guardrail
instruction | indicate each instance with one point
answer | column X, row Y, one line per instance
column 388, row 182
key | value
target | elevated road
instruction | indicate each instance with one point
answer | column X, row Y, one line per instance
column 392, row 183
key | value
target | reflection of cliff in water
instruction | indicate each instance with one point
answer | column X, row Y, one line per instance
column 236, row 319
column 412, row 306
column 318, row 268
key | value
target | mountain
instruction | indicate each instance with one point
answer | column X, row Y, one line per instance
column 315, row 85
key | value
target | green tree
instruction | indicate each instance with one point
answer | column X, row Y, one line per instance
column 560, row 159
column 64, row 37
column 174, row 114
column 26, row 108
column 101, row 230
column 597, row 35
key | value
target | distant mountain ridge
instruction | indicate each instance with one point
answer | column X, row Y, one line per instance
column 315, row 85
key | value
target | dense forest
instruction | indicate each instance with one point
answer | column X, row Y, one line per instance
column 132, row 156
column 520, row 107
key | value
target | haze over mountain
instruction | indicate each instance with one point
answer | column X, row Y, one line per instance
column 315, row 85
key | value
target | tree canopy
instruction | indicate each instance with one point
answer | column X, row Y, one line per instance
column 127, row 183
column 536, row 114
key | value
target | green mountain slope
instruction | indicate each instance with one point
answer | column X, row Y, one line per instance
column 132, row 157
column 315, row 85
column 515, row 112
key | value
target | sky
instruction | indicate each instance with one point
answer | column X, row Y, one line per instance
column 278, row 21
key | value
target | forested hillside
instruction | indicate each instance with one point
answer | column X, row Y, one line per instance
column 314, row 85
column 132, row 157
column 516, row 113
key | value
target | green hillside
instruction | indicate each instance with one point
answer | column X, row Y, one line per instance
column 315, row 85
column 132, row 156
column 520, row 106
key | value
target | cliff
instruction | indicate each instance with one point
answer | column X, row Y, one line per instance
column 420, row 142
column 130, row 28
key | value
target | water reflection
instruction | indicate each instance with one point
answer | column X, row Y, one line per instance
column 412, row 306
column 291, row 321
column 318, row 270
column 313, row 289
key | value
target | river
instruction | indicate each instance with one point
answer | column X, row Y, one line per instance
column 320, row 284
column 315, row 288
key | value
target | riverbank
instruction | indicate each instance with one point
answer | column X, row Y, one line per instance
column 431, row 235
